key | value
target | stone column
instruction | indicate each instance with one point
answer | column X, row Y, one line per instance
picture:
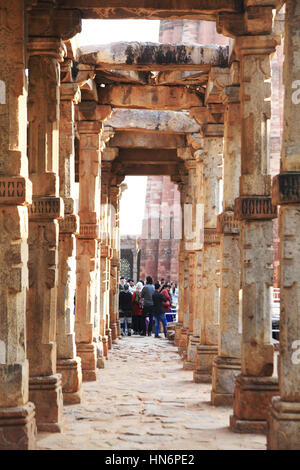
column 114, row 193
column 211, row 155
column 47, row 208
column 183, row 312
column 87, row 241
column 17, row 414
column 105, row 256
column 228, row 362
column 284, row 418
column 194, row 245
column 68, row 364
column 255, row 387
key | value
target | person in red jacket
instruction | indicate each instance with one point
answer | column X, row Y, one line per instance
column 166, row 292
column 137, row 308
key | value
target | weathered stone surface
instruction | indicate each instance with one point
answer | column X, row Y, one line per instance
column 46, row 393
column 164, row 121
column 149, row 97
column 143, row 56
column 146, row 140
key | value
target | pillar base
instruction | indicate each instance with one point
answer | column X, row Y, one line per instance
column 46, row 394
column 251, row 403
column 70, row 370
column 204, row 360
column 190, row 363
column 114, row 332
column 224, row 373
column 18, row 428
column 178, row 327
column 105, row 346
column 283, row 425
column 109, row 340
column 88, row 354
column 183, row 343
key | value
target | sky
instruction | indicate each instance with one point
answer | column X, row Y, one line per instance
column 104, row 32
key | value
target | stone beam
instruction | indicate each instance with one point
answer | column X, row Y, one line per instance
column 152, row 120
column 154, row 56
column 182, row 77
column 130, row 139
column 143, row 9
column 122, row 76
column 148, row 170
column 144, row 157
column 149, row 97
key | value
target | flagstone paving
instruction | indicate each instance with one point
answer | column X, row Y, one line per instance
column 142, row 400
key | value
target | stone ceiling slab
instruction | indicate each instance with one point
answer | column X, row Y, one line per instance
column 154, row 56
column 150, row 120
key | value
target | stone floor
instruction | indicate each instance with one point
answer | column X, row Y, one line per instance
column 143, row 399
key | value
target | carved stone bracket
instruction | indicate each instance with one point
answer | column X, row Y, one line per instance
column 106, row 251
column 227, row 223
column 15, row 190
column 89, row 231
column 211, row 236
column 46, row 207
column 254, row 207
column 286, row 189
column 69, row 224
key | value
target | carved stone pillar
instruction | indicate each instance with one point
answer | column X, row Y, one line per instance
column 87, row 242
column 255, row 387
column 68, row 364
column 284, row 418
column 114, row 196
column 45, row 386
column 194, row 226
column 105, row 256
column 17, row 414
column 228, row 362
column 211, row 155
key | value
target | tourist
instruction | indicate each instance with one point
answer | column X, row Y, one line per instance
column 159, row 310
column 174, row 295
column 125, row 310
column 166, row 292
column 147, row 314
column 122, row 283
column 137, row 309
column 131, row 285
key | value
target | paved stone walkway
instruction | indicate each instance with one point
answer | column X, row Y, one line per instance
column 144, row 400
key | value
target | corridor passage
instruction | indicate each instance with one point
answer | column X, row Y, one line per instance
column 143, row 399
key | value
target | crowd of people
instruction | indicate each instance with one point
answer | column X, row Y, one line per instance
column 145, row 303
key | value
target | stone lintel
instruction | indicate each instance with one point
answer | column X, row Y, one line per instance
column 46, row 207
column 69, row 224
column 15, row 190
column 285, row 188
column 130, row 139
column 152, row 120
column 187, row 9
column 154, row 56
column 149, row 97
column 227, row 223
column 254, row 207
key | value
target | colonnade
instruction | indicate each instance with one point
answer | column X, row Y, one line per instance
column 59, row 260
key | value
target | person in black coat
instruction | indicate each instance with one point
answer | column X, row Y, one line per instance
column 125, row 310
column 159, row 310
